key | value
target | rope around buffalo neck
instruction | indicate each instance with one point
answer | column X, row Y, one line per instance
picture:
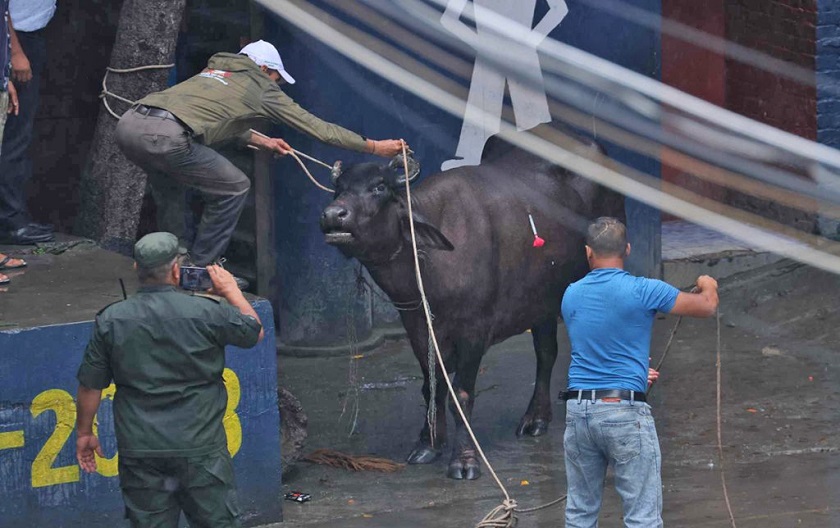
column 104, row 94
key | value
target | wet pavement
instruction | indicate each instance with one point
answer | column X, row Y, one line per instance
column 781, row 419
column 781, row 386
column 65, row 281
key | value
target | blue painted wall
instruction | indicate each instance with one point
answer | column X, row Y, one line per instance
column 828, row 69
column 39, row 363
column 828, row 92
column 317, row 284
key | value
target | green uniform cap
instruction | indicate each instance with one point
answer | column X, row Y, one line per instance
column 155, row 249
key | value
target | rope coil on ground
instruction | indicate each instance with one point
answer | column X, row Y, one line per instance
column 104, row 94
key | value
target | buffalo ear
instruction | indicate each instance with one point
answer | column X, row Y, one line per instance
column 428, row 236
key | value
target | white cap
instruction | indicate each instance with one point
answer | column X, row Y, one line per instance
column 264, row 54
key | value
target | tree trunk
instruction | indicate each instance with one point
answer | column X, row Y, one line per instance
column 112, row 187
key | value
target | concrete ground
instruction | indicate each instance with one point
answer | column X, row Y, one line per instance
column 780, row 386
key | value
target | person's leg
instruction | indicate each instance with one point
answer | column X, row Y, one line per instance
column 171, row 205
column 162, row 145
column 634, row 453
column 586, row 468
column 208, row 496
column 148, row 489
column 224, row 190
column 15, row 162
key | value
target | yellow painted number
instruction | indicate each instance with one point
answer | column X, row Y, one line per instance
column 62, row 404
column 233, row 427
column 107, row 467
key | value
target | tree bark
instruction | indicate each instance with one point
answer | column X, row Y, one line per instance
column 293, row 428
column 112, row 187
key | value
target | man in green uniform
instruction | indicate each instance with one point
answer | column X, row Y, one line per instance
column 164, row 350
column 172, row 135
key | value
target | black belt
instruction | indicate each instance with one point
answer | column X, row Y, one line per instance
column 160, row 112
column 600, row 394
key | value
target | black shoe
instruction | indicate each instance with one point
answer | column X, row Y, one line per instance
column 47, row 228
column 26, row 236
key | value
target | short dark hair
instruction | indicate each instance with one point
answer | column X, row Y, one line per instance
column 607, row 237
column 157, row 274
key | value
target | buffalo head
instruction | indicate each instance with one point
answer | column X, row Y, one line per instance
column 368, row 219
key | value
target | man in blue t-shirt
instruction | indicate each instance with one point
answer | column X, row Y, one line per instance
column 609, row 317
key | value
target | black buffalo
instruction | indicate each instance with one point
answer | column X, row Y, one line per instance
column 484, row 279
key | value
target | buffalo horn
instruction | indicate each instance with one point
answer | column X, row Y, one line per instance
column 336, row 172
column 397, row 164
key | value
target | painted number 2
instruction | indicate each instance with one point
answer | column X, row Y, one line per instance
column 62, row 404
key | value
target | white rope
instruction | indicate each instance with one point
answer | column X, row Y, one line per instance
column 720, row 426
column 104, row 94
column 502, row 514
column 295, row 153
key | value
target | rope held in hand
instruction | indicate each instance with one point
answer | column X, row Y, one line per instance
column 718, row 418
column 295, row 153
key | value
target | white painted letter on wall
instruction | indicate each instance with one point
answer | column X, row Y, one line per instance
column 483, row 114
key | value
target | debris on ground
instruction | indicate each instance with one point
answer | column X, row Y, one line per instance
column 336, row 459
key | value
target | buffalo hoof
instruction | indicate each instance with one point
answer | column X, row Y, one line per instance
column 532, row 427
column 460, row 470
column 423, row 454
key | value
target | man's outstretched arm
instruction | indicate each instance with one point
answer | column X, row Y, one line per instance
column 703, row 303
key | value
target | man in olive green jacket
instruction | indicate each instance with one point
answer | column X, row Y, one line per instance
column 172, row 134
column 165, row 352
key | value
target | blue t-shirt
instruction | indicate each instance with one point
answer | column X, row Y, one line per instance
column 609, row 317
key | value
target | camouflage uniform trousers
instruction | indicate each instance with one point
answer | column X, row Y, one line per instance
column 156, row 490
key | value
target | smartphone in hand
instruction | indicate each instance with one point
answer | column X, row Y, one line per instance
column 195, row 278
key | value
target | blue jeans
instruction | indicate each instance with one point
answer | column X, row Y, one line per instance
column 621, row 434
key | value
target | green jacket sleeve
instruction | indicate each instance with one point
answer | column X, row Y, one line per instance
column 95, row 370
column 281, row 108
column 237, row 329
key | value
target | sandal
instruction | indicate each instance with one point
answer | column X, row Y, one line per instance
column 5, row 266
column 4, row 279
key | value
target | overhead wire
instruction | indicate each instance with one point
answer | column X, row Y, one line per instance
column 561, row 55
column 325, row 28
column 667, row 114
column 823, row 199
